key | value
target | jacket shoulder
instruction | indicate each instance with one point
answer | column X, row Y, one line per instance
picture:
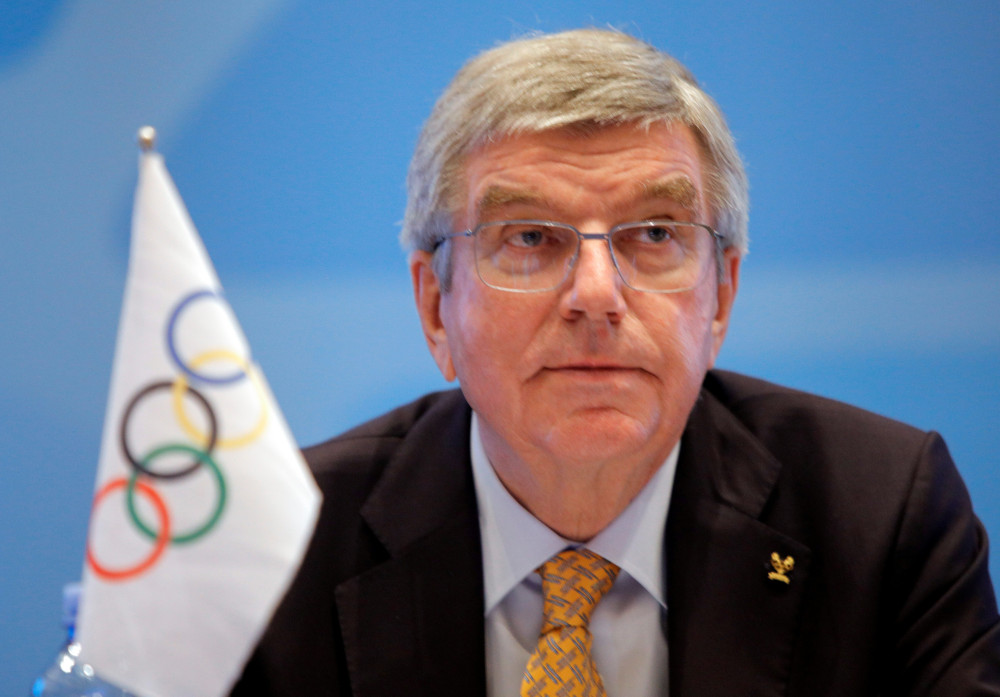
column 776, row 413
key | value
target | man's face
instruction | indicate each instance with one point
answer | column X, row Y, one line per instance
column 593, row 371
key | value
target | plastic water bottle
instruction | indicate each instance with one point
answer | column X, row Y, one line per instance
column 68, row 676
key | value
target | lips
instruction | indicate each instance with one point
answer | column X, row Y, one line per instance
column 592, row 365
column 596, row 370
column 593, row 371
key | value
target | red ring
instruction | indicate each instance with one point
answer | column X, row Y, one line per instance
column 161, row 540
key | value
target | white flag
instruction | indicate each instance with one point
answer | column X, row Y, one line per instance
column 203, row 505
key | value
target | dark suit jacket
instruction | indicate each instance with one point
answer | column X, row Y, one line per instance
column 889, row 595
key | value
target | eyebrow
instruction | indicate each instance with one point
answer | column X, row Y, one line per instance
column 498, row 197
column 679, row 190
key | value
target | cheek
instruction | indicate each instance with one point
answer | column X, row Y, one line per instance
column 684, row 337
column 481, row 336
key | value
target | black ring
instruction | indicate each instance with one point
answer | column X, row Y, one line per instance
column 195, row 463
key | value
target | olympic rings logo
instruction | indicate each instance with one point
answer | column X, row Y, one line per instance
column 196, row 455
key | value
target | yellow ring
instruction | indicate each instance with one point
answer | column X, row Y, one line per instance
column 180, row 388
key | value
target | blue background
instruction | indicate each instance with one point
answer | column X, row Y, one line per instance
column 870, row 132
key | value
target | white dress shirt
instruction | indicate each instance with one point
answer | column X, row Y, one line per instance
column 630, row 648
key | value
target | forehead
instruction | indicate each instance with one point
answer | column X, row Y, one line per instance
column 572, row 173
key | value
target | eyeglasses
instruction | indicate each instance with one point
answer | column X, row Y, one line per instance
column 531, row 256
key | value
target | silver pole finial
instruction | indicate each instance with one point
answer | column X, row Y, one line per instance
column 147, row 138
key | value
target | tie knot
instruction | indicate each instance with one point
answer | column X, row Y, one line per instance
column 573, row 581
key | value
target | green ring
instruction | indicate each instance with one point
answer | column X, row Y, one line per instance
column 204, row 458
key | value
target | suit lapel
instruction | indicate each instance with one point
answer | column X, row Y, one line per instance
column 414, row 625
column 732, row 624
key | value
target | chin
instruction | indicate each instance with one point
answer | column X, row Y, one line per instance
column 596, row 434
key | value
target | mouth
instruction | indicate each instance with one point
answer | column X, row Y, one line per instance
column 593, row 379
column 591, row 365
column 592, row 369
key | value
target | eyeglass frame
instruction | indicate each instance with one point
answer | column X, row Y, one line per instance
column 717, row 238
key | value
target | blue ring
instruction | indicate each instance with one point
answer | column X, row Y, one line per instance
column 171, row 347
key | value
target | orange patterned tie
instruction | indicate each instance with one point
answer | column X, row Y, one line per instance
column 573, row 582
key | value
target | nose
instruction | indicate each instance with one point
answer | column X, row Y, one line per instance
column 595, row 289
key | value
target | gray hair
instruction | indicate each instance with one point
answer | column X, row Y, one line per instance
column 582, row 78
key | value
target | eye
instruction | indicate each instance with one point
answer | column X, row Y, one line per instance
column 524, row 237
column 532, row 235
column 659, row 233
column 528, row 237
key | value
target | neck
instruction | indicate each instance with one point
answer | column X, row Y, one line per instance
column 576, row 499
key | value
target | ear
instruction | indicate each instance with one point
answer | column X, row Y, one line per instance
column 725, row 296
column 427, row 294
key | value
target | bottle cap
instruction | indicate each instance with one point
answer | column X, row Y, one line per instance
column 71, row 603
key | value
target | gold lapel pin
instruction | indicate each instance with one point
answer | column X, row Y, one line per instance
column 782, row 567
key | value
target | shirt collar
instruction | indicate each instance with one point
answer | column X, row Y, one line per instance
column 515, row 543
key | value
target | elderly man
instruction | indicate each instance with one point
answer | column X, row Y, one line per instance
column 597, row 511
